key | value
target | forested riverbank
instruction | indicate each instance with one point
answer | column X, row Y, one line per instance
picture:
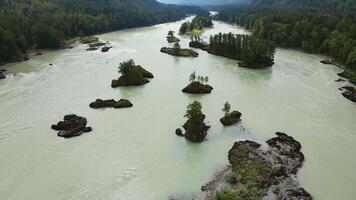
column 39, row 24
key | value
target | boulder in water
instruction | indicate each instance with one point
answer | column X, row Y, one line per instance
column 71, row 126
column 111, row 103
column 231, row 118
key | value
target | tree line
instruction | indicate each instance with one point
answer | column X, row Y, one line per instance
column 48, row 23
column 331, row 33
column 252, row 51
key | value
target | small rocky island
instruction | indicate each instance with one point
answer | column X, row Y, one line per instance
column 178, row 51
column 195, row 127
column 197, row 25
column 131, row 75
column 111, row 103
column 198, row 43
column 171, row 38
column 198, row 85
column 349, row 93
column 72, row 126
column 230, row 118
column 256, row 172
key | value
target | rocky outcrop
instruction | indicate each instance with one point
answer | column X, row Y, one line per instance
column 349, row 93
column 179, row 52
column 138, row 76
column 196, row 131
column 200, row 45
column 330, row 62
column 111, row 103
column 197, row 88
column 72, row 126
column 2, row 74
column 231, row 119
column 256, row 172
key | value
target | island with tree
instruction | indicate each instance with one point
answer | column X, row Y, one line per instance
column 131, row 75
column 178, row 51
column 195, row 127
column 171, row 38
column 196, row 26
column 251, row 51
column 198, row 85
column 230, row 118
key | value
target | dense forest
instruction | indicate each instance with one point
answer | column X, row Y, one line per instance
column 250, row 50
column 27, row 24
column 311, row 29
column 199, row 22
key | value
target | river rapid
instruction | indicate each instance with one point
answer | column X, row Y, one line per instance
column 134, row 153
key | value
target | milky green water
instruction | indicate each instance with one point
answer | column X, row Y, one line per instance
column 134, row 153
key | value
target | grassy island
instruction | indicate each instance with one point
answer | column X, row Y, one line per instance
column 196, row 26
column 132, row 75
column 177, row 51
column 249, row 50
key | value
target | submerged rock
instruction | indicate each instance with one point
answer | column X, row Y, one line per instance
column 258, row 172
column 231, row 119
column 329, row 62
column 197, row 88
column 72, row 126
column 179, row 52
column 349, row 93
column 111, row 103
column 92, row 49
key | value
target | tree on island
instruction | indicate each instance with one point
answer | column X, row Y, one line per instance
column 192, row 77
column 171, row 33
column 230, row 118
column 227, row 108
column 196, row 129
column 131, row 74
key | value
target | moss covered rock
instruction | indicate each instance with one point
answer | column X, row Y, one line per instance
column 179, row 52
column 111, row 103
column 172, row 39
column 231, row 119
column 197, row 88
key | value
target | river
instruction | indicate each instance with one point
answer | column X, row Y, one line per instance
column 134, row 153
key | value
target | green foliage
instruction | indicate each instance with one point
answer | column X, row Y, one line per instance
column 227, row 108
column 228, row 194
column 194, row 112
column 192, row 77
column 318, row 27
column 249, row 49
column 199, row 22
column 47, row 23
column 232, row 178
